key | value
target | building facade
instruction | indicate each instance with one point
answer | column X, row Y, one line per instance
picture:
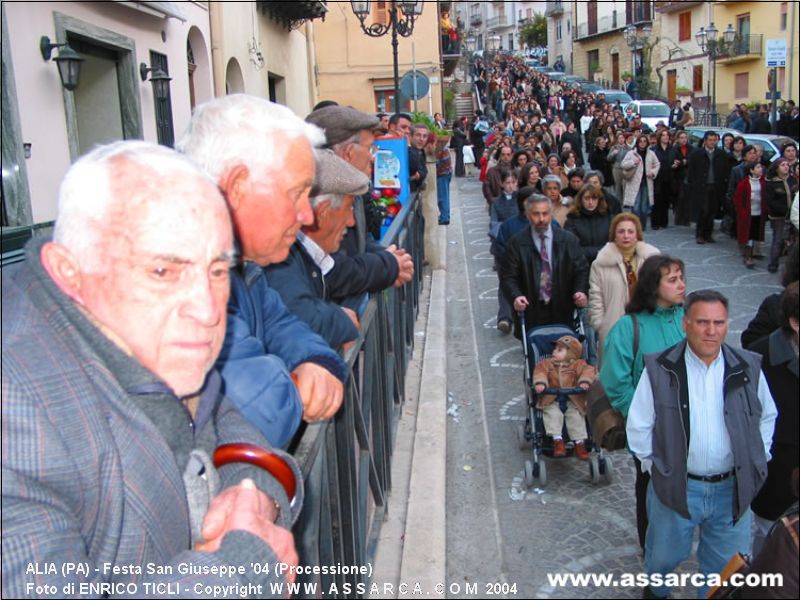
column 260, row 48
column 742, row 74
column 600, row 51
column 47, row 127
column 684, row 70
column 355, row 69
column 560, row 34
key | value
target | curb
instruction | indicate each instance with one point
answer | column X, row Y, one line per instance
column 425, row 547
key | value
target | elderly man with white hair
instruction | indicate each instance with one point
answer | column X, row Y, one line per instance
column 301, row 279
column 261, row 156
column 111, row 410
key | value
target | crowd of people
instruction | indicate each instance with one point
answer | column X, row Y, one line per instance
column 162, row 351
column 572, row 183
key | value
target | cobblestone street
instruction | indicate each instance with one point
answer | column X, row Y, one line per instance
column 504, row 533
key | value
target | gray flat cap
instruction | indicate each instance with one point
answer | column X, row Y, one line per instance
column 337, row 176
column 341, row 122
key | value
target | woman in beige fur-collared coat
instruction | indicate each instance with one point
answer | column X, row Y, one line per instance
column 614, row 273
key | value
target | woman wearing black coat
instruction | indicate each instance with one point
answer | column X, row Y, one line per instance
column 598, row 160
column 589, row 220
column 458, row 143
column 662, row 191
column 573, row 136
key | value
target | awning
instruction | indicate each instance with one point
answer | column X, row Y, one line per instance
column 158, row 9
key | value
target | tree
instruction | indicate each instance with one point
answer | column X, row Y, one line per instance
column 534, row 33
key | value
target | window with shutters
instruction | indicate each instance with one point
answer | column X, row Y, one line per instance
column 697, row 78
column 685, row 26
column 163, row 106
column 742, row 85
column 382, row 14
column 784, row 9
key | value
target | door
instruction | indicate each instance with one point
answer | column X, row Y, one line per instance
column 742, row 33
column 672, row 83
column 615, row 69
column 98, row 111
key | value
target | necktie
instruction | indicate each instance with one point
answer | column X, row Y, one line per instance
column 545, row 279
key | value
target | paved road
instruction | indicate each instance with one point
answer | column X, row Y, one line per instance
column 498, row 533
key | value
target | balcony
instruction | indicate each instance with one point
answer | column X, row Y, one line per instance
column 554, row 9
column 672, row 7
column 499, row 21
column 607, row 24
column 475, row 20
column 741, row 49
column 293, row 14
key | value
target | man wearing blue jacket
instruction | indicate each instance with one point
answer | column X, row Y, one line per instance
column 301, row 279
column 275, row 369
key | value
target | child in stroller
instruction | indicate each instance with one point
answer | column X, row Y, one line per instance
column 564, row 369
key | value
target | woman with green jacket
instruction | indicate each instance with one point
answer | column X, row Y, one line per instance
column 657, row 305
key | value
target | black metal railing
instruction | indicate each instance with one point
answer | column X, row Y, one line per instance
column 742, row 45
column 346, row 462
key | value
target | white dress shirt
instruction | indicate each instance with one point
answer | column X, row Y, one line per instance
column 321, row 258
column 710, row 450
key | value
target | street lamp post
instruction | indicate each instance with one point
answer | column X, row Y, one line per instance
column 398, row 26
column 636, row 42
column 707, row 40
column 494, row 42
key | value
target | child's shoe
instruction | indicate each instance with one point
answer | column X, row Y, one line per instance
column 580, row 450
column 559, row 449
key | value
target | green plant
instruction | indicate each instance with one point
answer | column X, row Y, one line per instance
column 626, row 75
column 595, row 67
column 450, row 104
column 534, row 33
column 421, row 118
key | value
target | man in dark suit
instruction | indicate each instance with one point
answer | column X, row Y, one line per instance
column 111, row 408
column 544, row 271
column 417, row 169
column 708, row 170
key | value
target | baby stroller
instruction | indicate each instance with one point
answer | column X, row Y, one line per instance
column 537, row 345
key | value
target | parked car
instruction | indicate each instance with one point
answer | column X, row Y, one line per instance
column 651, row 111
column 572, row 78
column 771, row 143
column 588, row 87
column 555, row 75
column 613, row 95
column 696, row 133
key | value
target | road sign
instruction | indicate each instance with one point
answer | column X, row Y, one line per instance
column 408, row 89
column 777, row 96
column 776, row 53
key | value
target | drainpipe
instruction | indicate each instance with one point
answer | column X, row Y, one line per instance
column 217, row 58
column 313, row 89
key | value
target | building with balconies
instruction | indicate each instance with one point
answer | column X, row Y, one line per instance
column 741, row 66
column 600, row 50
column 559, row 33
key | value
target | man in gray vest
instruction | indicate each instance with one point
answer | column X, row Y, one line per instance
column 701, row 422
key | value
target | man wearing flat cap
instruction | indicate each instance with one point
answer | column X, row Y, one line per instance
column 301, row 279
column 361, row 265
